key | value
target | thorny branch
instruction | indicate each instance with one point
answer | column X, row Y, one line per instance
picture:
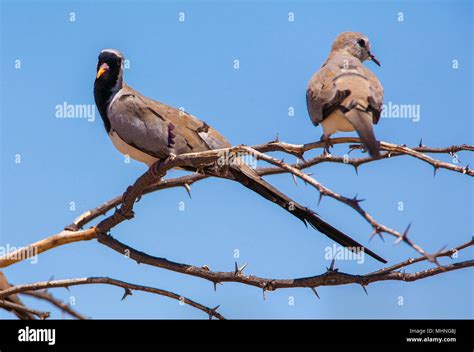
column 18, row 311
column 128, row 287
column 22, row 308
column 147, row 183
column 152, row 181
column 332, row 277
column 25, row 313
column 296, row 150
column 392, row 150
column 46, row 296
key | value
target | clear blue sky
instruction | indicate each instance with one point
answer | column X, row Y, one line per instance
column 190, row 64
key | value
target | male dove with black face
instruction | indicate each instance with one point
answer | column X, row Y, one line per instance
column 149, row 131
column 344, row 95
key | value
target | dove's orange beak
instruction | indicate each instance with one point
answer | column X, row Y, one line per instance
column 102, row 69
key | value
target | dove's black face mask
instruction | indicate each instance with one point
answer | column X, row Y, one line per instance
column 108, row 82
column 109, row 69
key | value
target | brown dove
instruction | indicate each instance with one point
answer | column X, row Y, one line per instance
column 344, row 95
column 150, row 131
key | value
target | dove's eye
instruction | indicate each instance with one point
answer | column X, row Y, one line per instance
column 361, row 43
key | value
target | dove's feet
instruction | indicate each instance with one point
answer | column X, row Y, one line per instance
column 155, row 170
column 127, row 194
column 327, row 144
column 159, row 168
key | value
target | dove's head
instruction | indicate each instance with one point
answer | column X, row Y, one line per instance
column 109, row 68
column 355, row 44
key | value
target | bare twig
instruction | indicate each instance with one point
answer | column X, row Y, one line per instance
column 45, row 244
column 18, row 307
column 324, row 191
column 152, row 180
column 447, row 253
column 328, row 278
column 212, row 312
column 44, row 295
column 392, row 150
column 297, row 150
column 21, row 314
column 148, row 183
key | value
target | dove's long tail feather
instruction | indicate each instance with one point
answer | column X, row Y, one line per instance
column 248, row 178
column 362, row 122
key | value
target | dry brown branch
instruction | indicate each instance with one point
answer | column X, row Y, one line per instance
column 45, row 244
column 297, row 150
column 447, row 253
column 21, row 308
column 21, row 314
column 128, row 287
column 392, row 150
column 324, row 191
column 102, row 209
column 64, row 307
column 330, row 278
column 152, row 180
column 147, row 183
